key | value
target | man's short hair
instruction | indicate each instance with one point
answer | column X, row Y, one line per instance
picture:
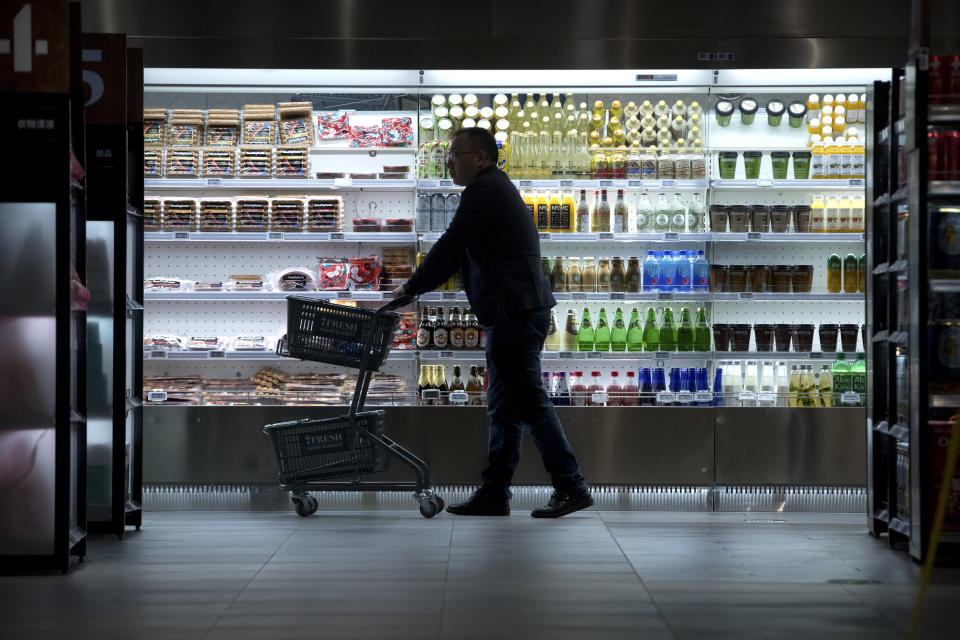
column 482, row 140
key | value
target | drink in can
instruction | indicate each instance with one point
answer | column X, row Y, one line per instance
column 937, row 79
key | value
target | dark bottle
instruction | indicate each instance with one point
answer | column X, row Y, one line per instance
column 425, row 330
column 471, row 332
column 441, row 331
column 456, row 329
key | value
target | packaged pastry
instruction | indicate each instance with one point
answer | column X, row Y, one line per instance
column 286, row 214
column 216, row 215
column 167, row 284
column 332, row 125
column 205, row 343
column 223, row 128
column 365, row 136
column 397, row 132
column 296, row 124
column 162, row 343
column 179, row 214
column 253, row 214
column 219, row 163
column 154, row 127
column 151, row 214
column 294, row 279
column 256, row 162
column 333, row 274
column 364, row 274
column 182, row 163
column 292, row 162
column 208, row 286
column 325, row 213
column 401, row 225
column 252, row 343
column 245, row 283
column 366, row 225
column 153, row 163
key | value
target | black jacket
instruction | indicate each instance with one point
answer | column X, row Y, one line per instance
column 493, row 241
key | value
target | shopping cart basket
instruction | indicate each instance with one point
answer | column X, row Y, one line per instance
column 312, row 452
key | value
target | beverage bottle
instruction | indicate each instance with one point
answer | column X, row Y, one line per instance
column 814, row 389
column 438, row 213
column 703, row 384
column 441, row 381
column 678, row 217
column 662, row 214
column 634, row 275
column 628, row 396
column 578, row 392
column 831, row 213
column 457, row 384
column 423, row 383
column 701, row 272
column 783, row 384
column 570, row 332
column 557, row 159
column 543, row 211
column 750, row 384
column 851, row 274
column 620, row 214
column 614, row 390
column 603, row 214
column 548, row 382
column 602, row 337
column 668, row 272
column 530, row 200
column 618, row 333
column 423, row 212
column 562, row 390
column 553, row 339
column 862, row 273
column 696, row 214
column 474, row 386
column 701, row 332
column 651, row 334
column 646, row 388
column 556, row 213
column 858, row 378
column 457, row 329
column 767, row 386
column 574, row 276
column 570, row 141
column 684, row 281
column 732, row 384
column 834, row 273
column 441, row 331
column 595, row 387
column 588, row 275
column 668, row 331
column 568, row 213
column 595, row 213
column 793, row 391
column 825, row 387
column 842, row 380
column 634, row 332
column 558, row 275
column 718, row 386
column 585, row 335
column 583, row 213
column 424, row 330
column 806, row 387
column 545, row 155
column 685, row 331
column 651, row 272
column 644, row 213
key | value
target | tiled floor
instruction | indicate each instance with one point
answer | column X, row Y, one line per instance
column 393, row 574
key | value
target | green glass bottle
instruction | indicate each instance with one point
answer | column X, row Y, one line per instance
column 685, row 331
column 618, row 333
column 858, row 378
column 701, row 332
column 842, row 380
column 651, row 334
column 585, row 335
column 634, row 332
column 602, row 340
column 668, row 331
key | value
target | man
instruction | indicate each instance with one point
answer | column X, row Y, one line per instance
column 492, row 240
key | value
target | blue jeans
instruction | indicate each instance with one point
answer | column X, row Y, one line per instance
column 516, row 400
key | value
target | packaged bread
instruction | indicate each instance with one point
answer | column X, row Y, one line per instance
column 253, row 214
column 216, row 215
column 219, row 163
column 255, row 162
column 154, row 127
column 223, row 128
column 153, row 162
column 151, row 214
column 182, row 163
column 325, row 213
column 296, row 123
column 179, row 214
column 287, row 214
column 292, row 162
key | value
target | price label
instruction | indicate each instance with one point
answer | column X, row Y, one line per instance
column 446, row 182
column 458, row 397
column 336, row 236
column 156, row 396
column 599, row 397
column 273, row 235
column 850, row 397
column 566, row 355
column 566, row 183
column 448, row 295
column 605, row 235
column 671, row 236
column 753, row 235
column 666, row 397
column 594, row 355
column 703, row 397
column 526, row 183
column 549, row 355
column 158, row 354
column 343, row 182
column 748, row 396
column 857, row 182
column 663, row 355
column 684, row 397
column 769, row 398
column 664, row 295
column 578, row 296
column 617, row 295
column 746, row 295
column 545, row 236
column 214, row 182
column 430, row 394
column 635, row 183
column 668, row 184
column 345, row 295
column 816, row 355
column 217, row 354
column 181, row 235
column 447, row 355
column 764, row 182
column 606, row 183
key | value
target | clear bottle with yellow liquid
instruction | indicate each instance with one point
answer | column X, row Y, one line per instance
column 832, row 156
column 545, row 169
column 818, row 221
column 793, row 393
column 858, row 160
column 857, row 212
column 843, row 217
column 826, row 386
column 818, row 159
column 832, row 214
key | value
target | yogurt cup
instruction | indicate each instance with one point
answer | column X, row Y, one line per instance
column 721, row 336
column 781, row 335
column 724, row 110
column 802, row 278
column 775, row 111
column 797, row 114
column 748, row 110
column 781, row 162
column 801, row 165
column 751, row 164
column 848, row 337
column 728, row 164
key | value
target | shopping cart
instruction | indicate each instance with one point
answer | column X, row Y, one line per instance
column 311, row 452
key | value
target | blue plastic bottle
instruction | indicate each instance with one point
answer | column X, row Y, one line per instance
column 651, row 272
column 701, row 272
column 668, row 272
column 684, row 271
column 718, row 387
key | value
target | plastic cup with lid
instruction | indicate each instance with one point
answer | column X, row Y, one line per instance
column 775, row 111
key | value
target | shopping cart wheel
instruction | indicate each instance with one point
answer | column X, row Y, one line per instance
column 440, row 503
column 305, row 505
column 429, row 508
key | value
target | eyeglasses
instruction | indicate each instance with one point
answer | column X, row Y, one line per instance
column 452, row 155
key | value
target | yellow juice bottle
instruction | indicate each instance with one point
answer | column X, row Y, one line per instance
column 843, row 224
column 832, row 155
column 556, row 213
column 543, row 211
column 813, row 107
column 818, row 168
column 832, row 215
column 818, row 222
column 862, row 109
column 858, row 160
column 569, row 211
column 530, row 199
column 857, row 211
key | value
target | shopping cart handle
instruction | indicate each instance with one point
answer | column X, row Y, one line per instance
column 396, row 303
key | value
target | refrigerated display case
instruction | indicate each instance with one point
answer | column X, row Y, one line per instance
column 771, row 233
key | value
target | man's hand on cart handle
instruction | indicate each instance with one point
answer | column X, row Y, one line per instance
column 400, row 291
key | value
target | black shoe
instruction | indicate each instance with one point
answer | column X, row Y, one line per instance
column 561, row 503
column 481, row 503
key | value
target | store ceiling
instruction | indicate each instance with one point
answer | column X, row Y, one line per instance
column 508, row 33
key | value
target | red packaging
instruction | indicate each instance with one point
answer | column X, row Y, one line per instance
column 405, row 337
column 397, row 132
column 952, row 80
column 937, row 74
column 364, row 274
column 333, row 275
column 332, row 125
column 365, row 136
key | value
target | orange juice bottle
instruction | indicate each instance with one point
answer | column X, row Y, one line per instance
column 543, row 211
column 858, row 160
column 569, row 211
column 530, row 199
column 818, row 222
column 556, row 213
column 834, row 273
column 845, row 214
column 818, row 168
column 862, row 109
column 813, row 107
column 833, row 159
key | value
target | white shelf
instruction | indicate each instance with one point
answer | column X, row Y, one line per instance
column 274, row 184
column 826, row 356
column 855, row 184
column 944, row 188
column 945, row 285
column 364, row 151
column 559, row 237
column 245, row 355
column 763, row 296
column 759, row 136
column 780, row 238
column 945, row 401
column 634, row 183
column 587, row 356
column 276, row 236
column 673, row 296
column 261, row 296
